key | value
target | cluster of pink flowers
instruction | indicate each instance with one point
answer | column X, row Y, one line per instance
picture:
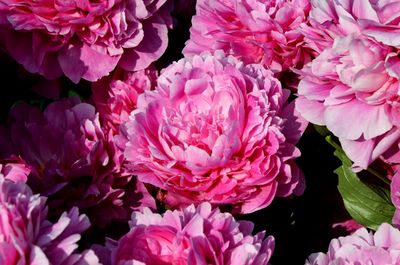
column 150, row 167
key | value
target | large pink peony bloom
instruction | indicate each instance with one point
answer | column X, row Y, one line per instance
column 116, row 97
column 190, row 236
column 255, row 31
column 84, row 39
column 73, row 162
column 218, row 131
column 362, row 247
column 26, row 237
column 352, row 86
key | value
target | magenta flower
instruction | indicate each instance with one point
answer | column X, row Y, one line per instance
column 84, row 39
column 73, row 162
column 190, row 236
column 26, row 237
column 352, row 86
column 362, row 247
column 255, row 31
column 215, row 130
column 116, row 97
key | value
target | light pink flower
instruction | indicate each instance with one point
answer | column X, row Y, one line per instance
column 115, row 97
column 73, row 162
column 84, row 39
column 362, row 247
column 218, row 131
column 255, row 31
column 352, row 86
column 190, row 236
column 26, row 237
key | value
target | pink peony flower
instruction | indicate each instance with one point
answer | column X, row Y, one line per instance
column 73, row 162
column 84, row 39
column 255, row 31
column 190, row 236
column 352, row 86
column 218, row 131
column 362, row 247
column 26, row 237
column 115, row 98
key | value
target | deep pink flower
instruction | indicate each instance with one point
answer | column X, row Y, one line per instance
column 362, row 247
column 190, row 236
column 218, row 131
column 84, row 39
column 255, row 31
column 26, row 237
column 73, row 162
column 352, row 86
column 115, row 97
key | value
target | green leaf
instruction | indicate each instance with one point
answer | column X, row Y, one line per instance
column 368, row 204
column 322, row 130
column 72, row 93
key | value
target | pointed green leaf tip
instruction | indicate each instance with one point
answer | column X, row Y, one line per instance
column 368, row 204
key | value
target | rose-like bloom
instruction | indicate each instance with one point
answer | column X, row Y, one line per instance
column 190, row 236
column 84, row 39
column 115, row 97
column 215, row 130
column 26, row 237
column 352, row 87
column 362, row 247
column 73, row 162
column 255, row 31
